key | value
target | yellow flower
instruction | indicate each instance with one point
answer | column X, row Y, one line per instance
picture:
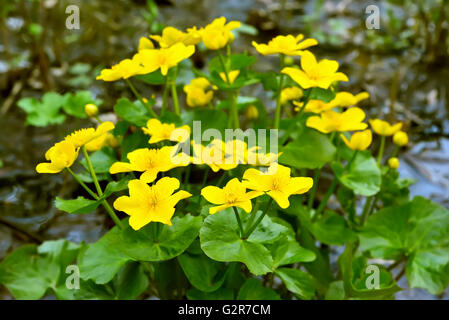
column 145, row 43
column 171, row 36
column 91, row 110
column 82, row 137
column 148, row 161
column 277, row 183
column 62, row 155
column 252, row 113
column 164, row 58
column 347, row 99
column 165, row 131
column 315, row 74
column 315, row 106
column 261, row 159
column 288, row 45
column 383, row 128
column 147, row 204
column 232, row 195
column 330, row 121
column 231, row 74
column 400, row 138
column 196, row 92
column 359, row 141
column 123, row 70
column 290, row 93
column 218, row 33
column 217, row 156
column 393, row 163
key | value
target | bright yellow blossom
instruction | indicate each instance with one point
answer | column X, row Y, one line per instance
column 145, row 43
column 315, row 106
column 171, row 36
column 277, row 183
column 148, row 161
column 232, row 195
column 331, row 121
column 393, row 163
column 290, row 93
column 197, row 95
column 164, row 58
column 231, row 74
column 315, row 74
column 215, row 155
column 91, row 110
column 62, row 155
column 347, row 99
column 165, row 131
column 400, row 138
column 252, row 112
column 123, row 70
column 288, row 45
column 383, row 128
column 147, row 204
column 82, row 137
column 359, row 141
column 218, row 33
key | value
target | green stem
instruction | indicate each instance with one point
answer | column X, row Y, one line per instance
column 259, row 220
column 138, row 96
column 328, row 194
column 395, row 152
column 164, row 96
column 239, row 222
column 78, row 179
column 252, row 216
column 366, row 209
column 277, row 114
column 234, row 115
column 105, row 204
column 316, row 178
column 306, row 101
column 174, row 94
column 381, row 151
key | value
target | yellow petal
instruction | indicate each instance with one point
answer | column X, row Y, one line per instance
column 280, row 198
column 213, row 194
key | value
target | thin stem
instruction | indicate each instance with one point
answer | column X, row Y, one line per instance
column 239, row 222
column 328, row 194
column 174, row 94
column 164, row 96
column 138, row 96
column 366, row 209
column 252, row 216
column 306, row 101
column 277, row 114
column 233, row 112
column 89, row 191
column 395, row 152
column 259, row 220
column 223, row 65
column 381, row 151
column 112, row 214
column 316, row 178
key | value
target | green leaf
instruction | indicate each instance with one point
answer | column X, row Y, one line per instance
column 336, row 291
column 116, row 186
column 310, row 150
column 47, row 112
column 363, row 176
column 220, row 294
column 130, row 282
column 288, row 252
column 325, row 95
column 101, row 160
column 211, row 276
column 79, row 205
column 220, row 240
column 208, row 119
column 298, row 282
column 253, row 289
column 153, row 78
column 332, row 229
column 237, row 62
column 132, row 142
column 417, row 230
column 135, row 113
column 102, row 260
column 74, row 103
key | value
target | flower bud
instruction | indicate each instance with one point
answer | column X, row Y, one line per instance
column 252, row 112
column 400, row 138
column 91, row 110
column 393, row 163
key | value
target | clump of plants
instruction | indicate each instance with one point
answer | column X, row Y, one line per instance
column 204, row 209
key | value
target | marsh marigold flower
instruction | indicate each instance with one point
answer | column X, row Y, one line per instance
column 290, row 93
column 400, row 138
column 91, row 110
column 252, row 112
column 165, row 131
column 277, row 183
column 383, row 128
column 288, row 45
column 62, row 155
column 393, row 163
column 145, row 43
column 197, row 93
column 148, row 161
column 82, row 137
column 331, row 121
column 315, row 74
column 347, row 99
column 164, row 58
column 123, row 70
column 232, row 195
column 214, row 155
column 217, row 34
column 147, row 204
column 232, row 75
column 171, row 36
column 359, row 141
